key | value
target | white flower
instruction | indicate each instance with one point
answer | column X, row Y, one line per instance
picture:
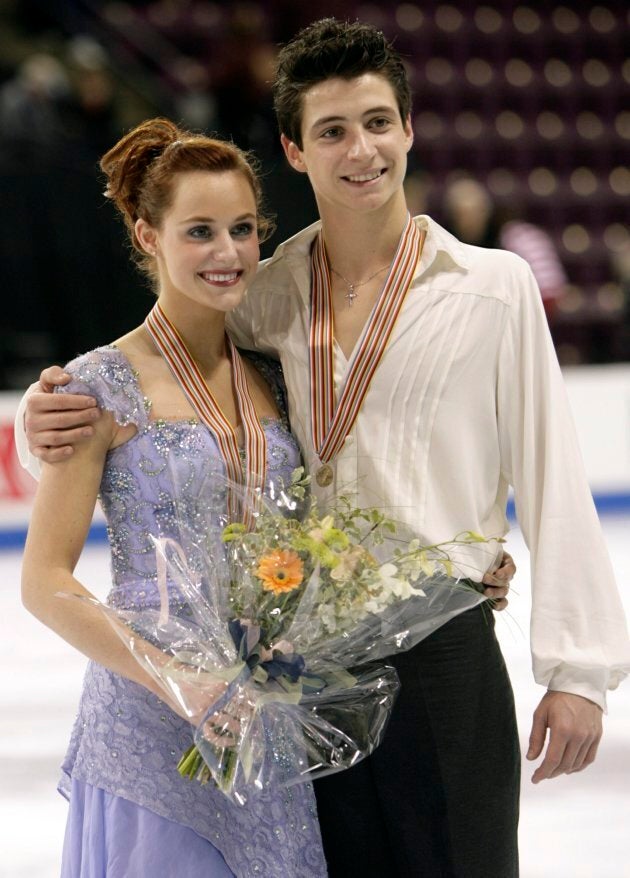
column 387, row 577
column 394, row 585
column 327, row 615
column 372, row 607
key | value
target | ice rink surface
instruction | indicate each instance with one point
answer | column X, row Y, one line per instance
column 571, row 827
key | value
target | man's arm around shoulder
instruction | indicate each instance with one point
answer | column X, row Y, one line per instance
column 48, row 425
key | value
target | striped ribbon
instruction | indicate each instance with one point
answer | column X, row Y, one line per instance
column 330, row 423
column 171, row 346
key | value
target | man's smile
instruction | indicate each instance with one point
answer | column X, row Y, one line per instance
column 367, row 177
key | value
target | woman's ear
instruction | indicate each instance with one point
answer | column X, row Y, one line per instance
column 146, row 237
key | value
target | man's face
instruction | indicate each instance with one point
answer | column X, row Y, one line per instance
column 355, row 144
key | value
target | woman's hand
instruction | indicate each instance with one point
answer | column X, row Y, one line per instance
column 193, row 691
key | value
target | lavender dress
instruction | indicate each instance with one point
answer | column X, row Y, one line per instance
column 131, row 814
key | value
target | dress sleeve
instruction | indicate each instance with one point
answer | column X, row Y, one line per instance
column 579, row 638
column 30, row 463
column 106, row 374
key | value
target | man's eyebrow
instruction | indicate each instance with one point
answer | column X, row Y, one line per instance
column 327, row 120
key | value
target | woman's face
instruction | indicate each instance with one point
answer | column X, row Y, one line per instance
column 207, row 245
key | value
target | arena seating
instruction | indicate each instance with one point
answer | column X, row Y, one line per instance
column 532, row 101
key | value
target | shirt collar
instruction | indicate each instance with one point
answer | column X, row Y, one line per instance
column 296, row 247
column 438, row 244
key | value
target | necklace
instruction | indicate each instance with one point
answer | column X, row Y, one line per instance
column 351, row 295
column 333, row 415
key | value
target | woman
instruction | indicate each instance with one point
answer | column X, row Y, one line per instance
column 190, row 204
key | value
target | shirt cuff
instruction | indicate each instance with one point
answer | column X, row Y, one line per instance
column 27, row 460
column 591, row 683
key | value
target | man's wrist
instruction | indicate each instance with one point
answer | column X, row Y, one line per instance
column 590, row 684
column 597, row 703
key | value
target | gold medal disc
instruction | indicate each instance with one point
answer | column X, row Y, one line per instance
column 324, row 476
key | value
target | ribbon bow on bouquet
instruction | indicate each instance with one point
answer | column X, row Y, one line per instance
column 276, row 663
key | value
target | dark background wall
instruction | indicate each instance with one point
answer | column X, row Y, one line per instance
column 531, row 101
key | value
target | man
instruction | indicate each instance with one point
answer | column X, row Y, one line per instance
column 421, row 378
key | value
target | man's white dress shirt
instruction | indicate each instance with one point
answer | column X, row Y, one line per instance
column 467, row 400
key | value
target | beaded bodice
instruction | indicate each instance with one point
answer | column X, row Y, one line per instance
column 147, row 480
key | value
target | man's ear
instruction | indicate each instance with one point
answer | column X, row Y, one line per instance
column 293, row 154
column 408, row 129
column 147, row 237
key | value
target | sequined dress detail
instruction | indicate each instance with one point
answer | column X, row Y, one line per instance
column 125, row 740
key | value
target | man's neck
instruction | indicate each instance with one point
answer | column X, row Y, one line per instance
column 357, row 243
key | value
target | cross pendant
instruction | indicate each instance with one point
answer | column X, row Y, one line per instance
column 351, row 295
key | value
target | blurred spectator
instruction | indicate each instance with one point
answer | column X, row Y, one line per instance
column 535, row 246
column 34, row 109
column 60, row 267
column 194, row 103
column 472, row 217
column 470, row 214
column 94, row 96
column 242, row 90
column 242, row 75
column 54, row 114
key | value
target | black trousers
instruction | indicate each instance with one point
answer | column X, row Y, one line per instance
column 439, row 798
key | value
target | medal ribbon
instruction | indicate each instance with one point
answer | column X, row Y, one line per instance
column 171, row 346
column 331, row 424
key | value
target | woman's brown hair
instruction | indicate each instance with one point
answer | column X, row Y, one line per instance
column 142, row 166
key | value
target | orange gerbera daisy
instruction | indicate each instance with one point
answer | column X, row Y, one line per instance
column 280, row 570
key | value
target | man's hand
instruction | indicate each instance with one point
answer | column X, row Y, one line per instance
column 497, row 582
column 54, row 422
column 575, row 730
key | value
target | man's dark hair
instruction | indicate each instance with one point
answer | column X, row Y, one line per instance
column 330, row 48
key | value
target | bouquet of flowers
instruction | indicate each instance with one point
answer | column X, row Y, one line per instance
column 268, row 633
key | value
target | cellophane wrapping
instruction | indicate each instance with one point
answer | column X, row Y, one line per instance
column 270, row 635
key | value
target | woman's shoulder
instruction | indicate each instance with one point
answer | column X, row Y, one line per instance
column 106, row 374
column 91, row 361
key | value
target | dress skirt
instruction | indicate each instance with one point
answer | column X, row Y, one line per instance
column 109, row 837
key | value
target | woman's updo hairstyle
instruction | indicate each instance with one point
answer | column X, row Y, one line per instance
column 142, row 166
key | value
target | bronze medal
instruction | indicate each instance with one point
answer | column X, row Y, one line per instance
column 324, row 476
